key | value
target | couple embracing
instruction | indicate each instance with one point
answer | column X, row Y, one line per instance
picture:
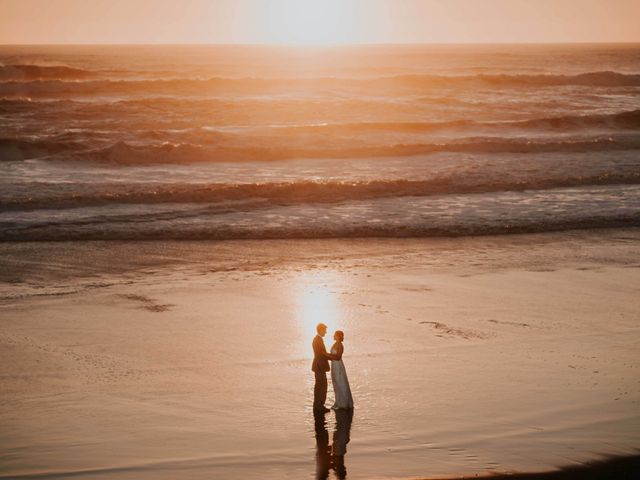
column 320, row 367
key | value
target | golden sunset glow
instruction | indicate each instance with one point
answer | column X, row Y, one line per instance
column 315, row 22
column 308, row 22
column 317, row 301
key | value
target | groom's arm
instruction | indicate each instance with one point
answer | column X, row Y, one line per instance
column 319, row 350
column 330, row 356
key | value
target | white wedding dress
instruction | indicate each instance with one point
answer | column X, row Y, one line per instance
column 340, row 382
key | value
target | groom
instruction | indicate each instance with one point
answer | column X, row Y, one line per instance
column 320, row 367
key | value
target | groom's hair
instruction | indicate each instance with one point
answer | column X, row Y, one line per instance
column 320, row 326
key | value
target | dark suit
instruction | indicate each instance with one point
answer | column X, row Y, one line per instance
column 320, row 367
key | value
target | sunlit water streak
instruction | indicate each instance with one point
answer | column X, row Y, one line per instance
column 318, row 301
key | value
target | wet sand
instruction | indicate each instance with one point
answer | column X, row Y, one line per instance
column 192, row 359
column 619, row 468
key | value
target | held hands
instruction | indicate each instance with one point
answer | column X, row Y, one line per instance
column 336, row 357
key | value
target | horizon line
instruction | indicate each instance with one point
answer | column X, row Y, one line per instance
column 316, row 45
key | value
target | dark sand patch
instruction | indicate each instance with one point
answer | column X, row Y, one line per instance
column 515, row 324
column 617, row 468
column 416, row 289
column 148, row 303
column 455, row 332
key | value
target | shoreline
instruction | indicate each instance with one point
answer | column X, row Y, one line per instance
column 623, row 222
column 171, row 252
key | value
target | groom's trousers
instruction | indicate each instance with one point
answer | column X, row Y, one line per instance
column 320, row 390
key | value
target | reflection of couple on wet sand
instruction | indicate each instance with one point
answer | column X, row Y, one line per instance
column 320, row 367
column 328, row 457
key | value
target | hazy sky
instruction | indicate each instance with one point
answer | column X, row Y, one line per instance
column 318, row 22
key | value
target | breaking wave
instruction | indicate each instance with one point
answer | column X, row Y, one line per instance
column 122, row 153
column 125, row 154
column 45, row 82
column 43, row 72
column 627, row 120
column 249, row 196
column 15, row 149
column 129, row 230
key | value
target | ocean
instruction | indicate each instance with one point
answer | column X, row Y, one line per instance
column 256, row 142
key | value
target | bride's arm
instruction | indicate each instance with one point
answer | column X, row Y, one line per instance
column 339, row 350
column 330, row 356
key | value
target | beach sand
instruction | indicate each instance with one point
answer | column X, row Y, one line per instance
column 135, row 360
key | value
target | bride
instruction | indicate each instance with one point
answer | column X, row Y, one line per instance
column 339, row 374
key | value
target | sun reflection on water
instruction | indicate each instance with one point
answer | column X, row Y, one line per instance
column 318, row 300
